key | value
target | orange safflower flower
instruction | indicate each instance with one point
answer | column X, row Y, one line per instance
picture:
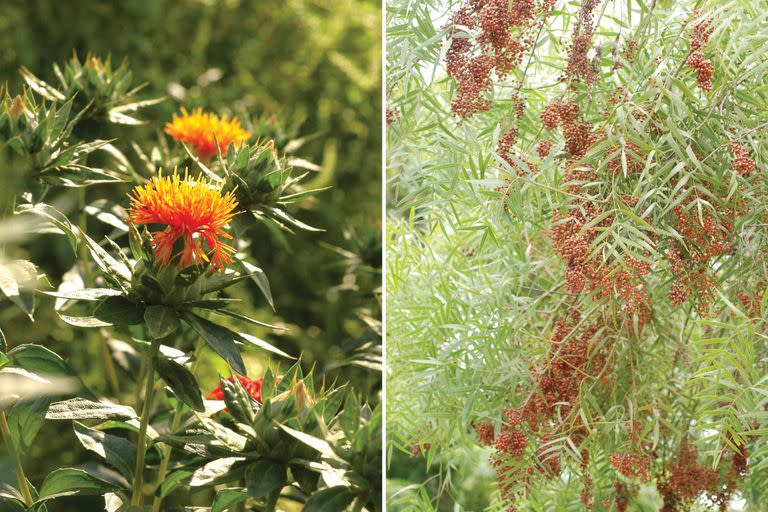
column 193, row 211
column 198, row 129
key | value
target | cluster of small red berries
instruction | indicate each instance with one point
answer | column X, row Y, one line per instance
column 578, row 66
column 571, row 358
column 721, row 497
column 418, row 449
column 504, row 191
column 579, row 136
column 752, row 301
column 742, row 163
column 558, row 112
column 510, row 476
column 585, row 495
column 686, row 480
column 629, row 283
column 632, row 158
column 558, row 380
column 485, row 434
column 698, row 282
column 696, row 59
column 630, row 52
column 623, row 495
column 632, row 465
column 572, row 236
column 505, row 150
column 705, row 239
column 544, row 148
column 549, row 464
column 393, row 115
column 703, row 67
column 738, row 460
column 512, row 442
column 498, row 49
column 518, row 106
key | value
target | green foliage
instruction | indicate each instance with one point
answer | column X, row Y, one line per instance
column 476, row 285
column 141, row 341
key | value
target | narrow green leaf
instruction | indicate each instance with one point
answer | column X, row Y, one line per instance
column 350, row 416
column 181, row 381
column 220, row 339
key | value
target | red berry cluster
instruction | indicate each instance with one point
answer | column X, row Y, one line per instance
column 587, row 485
column 623, row 495
column 698, row 282
column 498, row 49
column 632, row 465
column 703, row 67
column 518, row 106
column 696, row 59
column 752, row 301
column 632, row 157
column 729, row 484
column 630, row 52
column 572, row 356
column 510, row 477
column 738, row 460
column 686, row 480
column 544, row 148
column 485, row 433
column 742, row 163
column 558, row 112
column 579, row 135
column 419, row 449
column 629, row 284
column 578, row 66
column 393, row 115
column 504, row 190
column 512, row 442
column 549, row 463
column 505, row 150
column 573, row 236
column 704, row 238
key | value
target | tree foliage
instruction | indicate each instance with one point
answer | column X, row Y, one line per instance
column 577, row 283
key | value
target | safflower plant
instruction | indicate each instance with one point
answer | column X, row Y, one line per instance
column 159, row 286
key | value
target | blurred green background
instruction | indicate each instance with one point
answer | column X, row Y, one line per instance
column 313, row 67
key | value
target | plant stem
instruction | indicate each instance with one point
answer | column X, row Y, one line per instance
column 140, row 383
column 23, row 487
column 175, row 423
column 271, row 504
column 358, row 505
column 141, row 444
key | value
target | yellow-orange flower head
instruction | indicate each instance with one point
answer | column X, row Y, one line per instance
column 192, row 211
column 198, row 129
